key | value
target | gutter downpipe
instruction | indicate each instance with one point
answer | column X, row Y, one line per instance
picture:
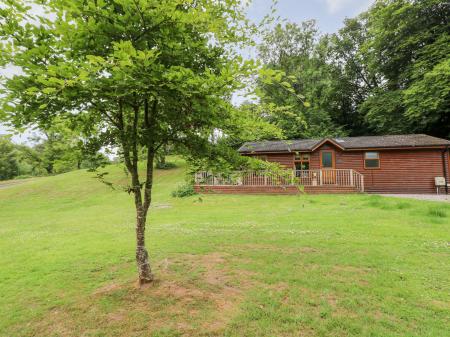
column 445, row 165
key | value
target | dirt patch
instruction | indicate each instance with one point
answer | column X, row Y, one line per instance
column 57, row 321
column 440, row 305
column 117, row 316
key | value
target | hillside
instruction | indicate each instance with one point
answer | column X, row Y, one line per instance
column 353, row 265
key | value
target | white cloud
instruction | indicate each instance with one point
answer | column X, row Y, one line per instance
column 335, row 6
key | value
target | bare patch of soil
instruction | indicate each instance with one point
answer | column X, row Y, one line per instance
column 58, row 322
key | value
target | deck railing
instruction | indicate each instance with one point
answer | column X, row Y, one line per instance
column 323, row 177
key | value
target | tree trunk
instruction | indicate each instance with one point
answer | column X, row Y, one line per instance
column 143, row 264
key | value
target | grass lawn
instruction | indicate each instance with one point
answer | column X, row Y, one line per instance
column 355, row 265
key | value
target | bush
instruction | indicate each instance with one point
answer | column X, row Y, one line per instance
column 165, row 166
column 183, row 191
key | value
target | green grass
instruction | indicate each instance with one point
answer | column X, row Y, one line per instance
column 353, row 265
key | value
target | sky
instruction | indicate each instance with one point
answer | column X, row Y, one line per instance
column 329, row 15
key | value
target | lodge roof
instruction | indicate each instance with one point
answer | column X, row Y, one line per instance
column 346, row 143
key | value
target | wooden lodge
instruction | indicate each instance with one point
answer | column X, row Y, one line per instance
column 375, row 164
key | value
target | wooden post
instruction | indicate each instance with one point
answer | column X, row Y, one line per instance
column 362, row 183
column 351, row 177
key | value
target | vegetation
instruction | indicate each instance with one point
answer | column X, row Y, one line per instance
column 184, row 190
column 9, row 166
column 227, row 265
column 150, row 77
column 386, row 71
column 135, row 75
column 48, row 154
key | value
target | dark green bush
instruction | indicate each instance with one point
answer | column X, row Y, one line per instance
column 165, row 166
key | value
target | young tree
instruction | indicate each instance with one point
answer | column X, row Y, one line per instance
column 136, row 73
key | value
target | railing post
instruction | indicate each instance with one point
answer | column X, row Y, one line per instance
column 362, row 183
column 320, row 177
column 351, row 177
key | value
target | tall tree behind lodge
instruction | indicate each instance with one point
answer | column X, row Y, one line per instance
column 386, row 71
column 134, row 73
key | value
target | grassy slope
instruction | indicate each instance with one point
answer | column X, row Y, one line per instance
column 228, row 265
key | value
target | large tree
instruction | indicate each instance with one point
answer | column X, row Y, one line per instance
column 385, row 71
column 394, row 68
column 303, row 100
column 135, row 73
column 9, row 166
column 408, row 45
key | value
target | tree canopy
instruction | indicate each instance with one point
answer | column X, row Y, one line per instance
column 385, row 72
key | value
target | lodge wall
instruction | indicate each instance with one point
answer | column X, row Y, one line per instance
column 401, row 170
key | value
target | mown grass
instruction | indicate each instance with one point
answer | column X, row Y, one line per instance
column 354, row 265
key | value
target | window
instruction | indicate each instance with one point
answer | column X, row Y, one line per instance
column 327, row 159
column 302, row 165
column 371, row 160
column 301, row 162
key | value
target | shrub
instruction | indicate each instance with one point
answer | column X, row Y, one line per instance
column 183, row 191
column 165, row 166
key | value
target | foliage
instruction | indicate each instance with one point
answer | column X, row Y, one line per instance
column 408, row 48
column 183, row 191
column 9, row 166
column 299, row 100
column 53, row 151
column 385, row 72
column 165, row 165
column 161, row 156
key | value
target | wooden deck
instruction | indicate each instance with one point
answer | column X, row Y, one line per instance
column 284, row 182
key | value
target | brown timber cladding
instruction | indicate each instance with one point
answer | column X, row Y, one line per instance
column 401, row 171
